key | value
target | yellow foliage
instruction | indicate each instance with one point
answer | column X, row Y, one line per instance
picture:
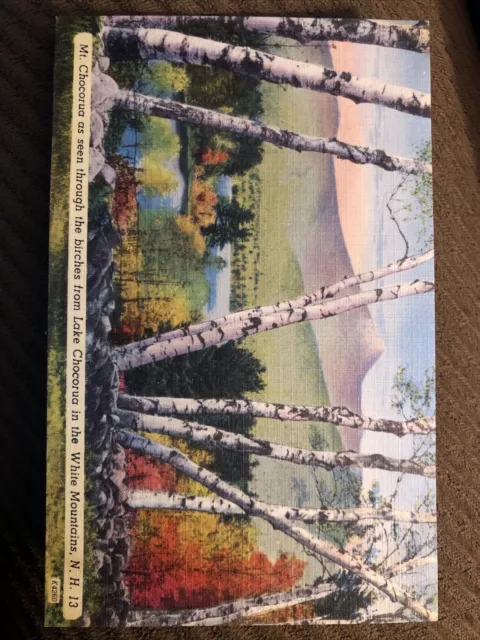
column 170, row 78
column 173, row 310
column 187, row 225
column 156, row 176
column 145, row 305
column 158, row 136
column 210, row 532
column 199, row 456
column 186, row 485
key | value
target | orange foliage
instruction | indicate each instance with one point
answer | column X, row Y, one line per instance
column 187, row 560
column 211, row 157
column 204, row 200
column 197, row 560
column 147, row 473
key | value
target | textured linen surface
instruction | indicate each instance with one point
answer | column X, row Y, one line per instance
column 26, row 64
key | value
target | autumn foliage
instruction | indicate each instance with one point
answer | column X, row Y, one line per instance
column 204, row 200
column 197, row 560
column 189, row 560
column 147, row 473
column 124, row 204
column 212, row 157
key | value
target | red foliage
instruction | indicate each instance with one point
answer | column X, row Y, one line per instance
column 211, row 157
column 147, row 473
column 174, row 571
column 124, row 204
column 127, row 332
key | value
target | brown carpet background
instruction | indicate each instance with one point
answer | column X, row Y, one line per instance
column 26, row 64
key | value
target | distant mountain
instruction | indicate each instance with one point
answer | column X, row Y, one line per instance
column 348, row 344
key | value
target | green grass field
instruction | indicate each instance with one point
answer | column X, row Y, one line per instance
column 288, row 205
column 287, row 208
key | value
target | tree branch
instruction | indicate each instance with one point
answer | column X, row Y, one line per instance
column 144, row 352
column 214, row 439
column 257, row 508
column 145, row 499
column 340, row 416
column 230, row 611
column 158, row 44
column 266, row 133
column 303, row 30
column 380, row 618
column 411, row 565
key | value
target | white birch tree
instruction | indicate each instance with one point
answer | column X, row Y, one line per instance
column 340, row 416
column 215, row 439
column 230, row 611
column 199, row 116
column 145, row 414
column 324, row 293
column 160, row 500
column 303, row 30
column 158, row 44
column 139, row 353
column 366, row 618
column 257, row 508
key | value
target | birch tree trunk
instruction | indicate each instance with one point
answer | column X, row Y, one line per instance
column 144, row 499
column 229, row 611
column 411, row 565
column 266, row 133
column 340, row 416
column 302, row 301
column 212, row 438
column 256, row 508
column 158, row 44
column 139, row 353
column 379, row 618
column 302, row 30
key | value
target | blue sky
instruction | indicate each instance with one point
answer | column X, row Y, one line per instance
column 407, row 325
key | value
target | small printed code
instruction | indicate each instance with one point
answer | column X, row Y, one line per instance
column 54, row 590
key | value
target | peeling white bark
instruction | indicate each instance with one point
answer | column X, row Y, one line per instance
column 213, row 438
column 411, row 565
column 302, row 30
column 340, row 416
column 324, row 293
column 144, row 499
column 229, row 611
column 144, row 352
column 158, row 44
column 267, row 133
column 255, row 507
column 379, row 618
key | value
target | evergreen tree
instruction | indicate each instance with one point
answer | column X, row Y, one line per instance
column 227, row 371
column 230, row 223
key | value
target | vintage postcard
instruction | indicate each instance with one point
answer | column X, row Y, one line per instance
column 241, row 409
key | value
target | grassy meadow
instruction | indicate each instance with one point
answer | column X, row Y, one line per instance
column 292, row 189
